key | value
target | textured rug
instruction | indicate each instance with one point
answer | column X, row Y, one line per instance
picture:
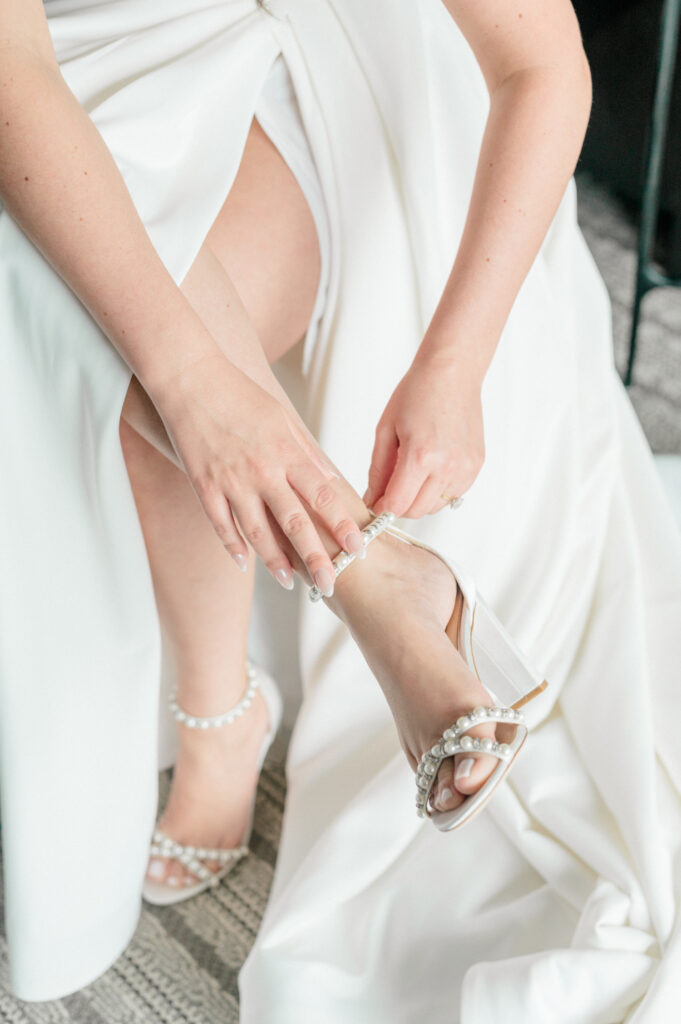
column 182, row 965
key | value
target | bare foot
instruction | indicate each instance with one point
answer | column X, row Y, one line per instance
column 214, row 780
column 403, row 608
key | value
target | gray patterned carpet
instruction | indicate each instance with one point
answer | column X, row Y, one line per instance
column 182, row 966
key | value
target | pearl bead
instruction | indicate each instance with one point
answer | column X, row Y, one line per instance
column 466, row 742
column 487, row 743
column 479, row 711
column 462, row 722
column 450, row 746
column 504, row 749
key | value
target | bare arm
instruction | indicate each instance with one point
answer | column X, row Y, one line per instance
column 533, row 62
column 61, row 184
column 239, row 446
column 430, row 438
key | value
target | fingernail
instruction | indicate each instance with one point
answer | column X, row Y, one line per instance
column 156, row 868
column 463, row 769
column 284, row 577
column 324, row 582
column 354, row 543
column 443, row 797
column 240, row 560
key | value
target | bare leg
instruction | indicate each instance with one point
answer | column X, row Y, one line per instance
column 203, row 599
column 265, row 240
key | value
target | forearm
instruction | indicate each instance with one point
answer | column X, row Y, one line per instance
column 530, row 147
column 60, row 183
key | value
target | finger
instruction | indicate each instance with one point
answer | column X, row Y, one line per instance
column 313, row 451
column 428, row 499
column 322, row 498
column 296, row 525
column 404, row 484
column 382, row 464
column 218, row 510
column 252, row 519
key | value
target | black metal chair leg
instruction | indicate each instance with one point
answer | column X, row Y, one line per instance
column 646, row 276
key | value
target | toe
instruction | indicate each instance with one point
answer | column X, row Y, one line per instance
column 471, row 771
column 156, row 869
column 445, row 796
column 175, row 875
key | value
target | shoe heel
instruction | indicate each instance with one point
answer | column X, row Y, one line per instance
column 496, row 659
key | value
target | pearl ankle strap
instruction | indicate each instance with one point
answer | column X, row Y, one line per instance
column 227, row 717
column 344, row 558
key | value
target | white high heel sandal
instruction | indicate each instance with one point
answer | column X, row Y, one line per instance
column 192, row 857
column 501, row 667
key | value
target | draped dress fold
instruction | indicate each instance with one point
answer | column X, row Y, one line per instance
column 560, row 901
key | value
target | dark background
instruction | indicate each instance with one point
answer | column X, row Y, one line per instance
column 621, row 41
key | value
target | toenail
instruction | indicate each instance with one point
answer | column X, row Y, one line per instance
column 173, row 880
column 156, row 868
column 444, row 796
column 463, row 769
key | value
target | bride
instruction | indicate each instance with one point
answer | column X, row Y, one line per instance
column 192, row 195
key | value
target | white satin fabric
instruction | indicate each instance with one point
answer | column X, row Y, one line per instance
column 559, row 902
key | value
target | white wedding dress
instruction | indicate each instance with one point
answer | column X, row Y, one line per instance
column 560, row 902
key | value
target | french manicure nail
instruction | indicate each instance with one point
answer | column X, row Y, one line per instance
column 463, row 768
column 323, row 581
column 284, row 577
column 240, row 560
column 156, row 868
column 354, row 543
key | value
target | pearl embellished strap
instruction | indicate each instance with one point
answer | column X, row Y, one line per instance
column 453, row 741
column 227, row 717
column 192, row 856
column 344, row 558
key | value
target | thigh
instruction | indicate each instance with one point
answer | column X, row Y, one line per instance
column 265, row 238
column 261, row 254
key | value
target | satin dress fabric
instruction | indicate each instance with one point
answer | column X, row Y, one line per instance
column 560, row 901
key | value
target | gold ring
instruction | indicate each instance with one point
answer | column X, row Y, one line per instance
column 453, row 502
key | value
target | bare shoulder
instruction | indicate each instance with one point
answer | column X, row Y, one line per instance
column 508, row 36
column 24, row 29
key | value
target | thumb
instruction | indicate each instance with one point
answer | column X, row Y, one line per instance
column 383, row 460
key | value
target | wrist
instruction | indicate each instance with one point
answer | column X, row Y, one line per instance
column 449, row 353
column 168, row 368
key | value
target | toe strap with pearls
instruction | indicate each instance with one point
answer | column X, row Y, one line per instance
column 191, row 857
column 454, row 741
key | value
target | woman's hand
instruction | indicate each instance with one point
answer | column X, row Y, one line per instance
column 429, row 440
column 250, row 464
